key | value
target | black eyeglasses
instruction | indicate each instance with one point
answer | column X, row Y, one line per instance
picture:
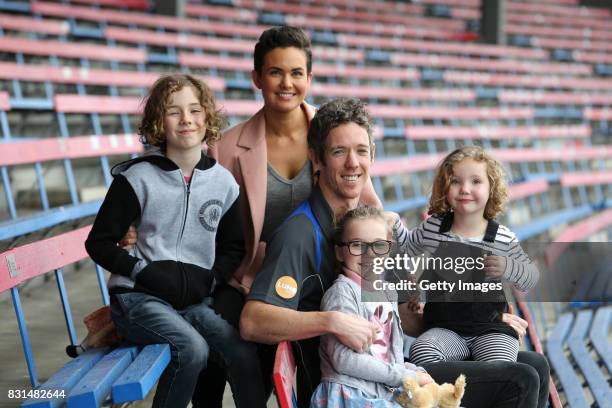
column 380, row 247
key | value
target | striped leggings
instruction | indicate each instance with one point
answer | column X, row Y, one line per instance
column 445, row 345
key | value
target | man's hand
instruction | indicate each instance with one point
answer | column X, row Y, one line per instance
column 423, row 378
column 129, row 239
column 518, row 324
column 494, row 266
column 354, row 332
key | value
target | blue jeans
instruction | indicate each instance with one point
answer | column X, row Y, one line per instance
column 146, row 319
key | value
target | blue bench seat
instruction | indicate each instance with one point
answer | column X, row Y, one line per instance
column 122, row 375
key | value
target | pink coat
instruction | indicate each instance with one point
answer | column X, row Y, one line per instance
column 242, row 150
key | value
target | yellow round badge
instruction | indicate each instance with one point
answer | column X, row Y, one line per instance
column 286, row 287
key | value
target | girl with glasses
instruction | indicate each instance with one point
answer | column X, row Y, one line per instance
column 369, row 377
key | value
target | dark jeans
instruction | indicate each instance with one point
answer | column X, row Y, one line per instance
column 499, row 384
column 228, row 302
column 191, row 333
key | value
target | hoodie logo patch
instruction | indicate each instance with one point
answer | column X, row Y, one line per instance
column 210, row 214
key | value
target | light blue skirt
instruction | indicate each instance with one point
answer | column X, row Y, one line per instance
column 334, row 395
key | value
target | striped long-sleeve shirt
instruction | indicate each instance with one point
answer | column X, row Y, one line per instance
column 520, row 270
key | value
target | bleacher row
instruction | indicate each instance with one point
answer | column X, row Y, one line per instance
column 72, row 75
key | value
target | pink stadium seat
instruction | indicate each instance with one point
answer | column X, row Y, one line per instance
column 561, row 32
column 11, row 22
column 388, row 73
column 468, row 64
column 284, row 375
column 68, row 103
column 535, row 8
column 465, row 13
column 421, row 162
column 496, row 132
column 363, row 91
column 221, row 12
column 394, row 7
column 559, row 21
column 440, row 47
column 528, row 188
column 5, row 103
column 178, row 40
column 436, row 112
column 99, row 104
column 71, row 50
column 133, row 4
column 214, row 61
column 532, row 155
column 557, row 98
column 382, row 30
column 32, row 151
column 142, row 19
column 73, row 75
column 585, row 178
column 577, row 232
column 413, row 164
column 571, row 44
column 592, row 57
column 548, row 81
column 598, row 114
column 66, row 249
column 464, row 3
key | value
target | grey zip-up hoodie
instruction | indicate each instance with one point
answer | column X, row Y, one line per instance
column 364, row 371
column 188, row 234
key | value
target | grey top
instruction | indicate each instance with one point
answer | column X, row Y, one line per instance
column 364, row 371
column 177, row 221
column 283, row 196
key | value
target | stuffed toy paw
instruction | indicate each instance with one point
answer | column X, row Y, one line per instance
column 432, row 395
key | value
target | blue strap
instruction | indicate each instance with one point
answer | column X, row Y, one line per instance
column 306, row 209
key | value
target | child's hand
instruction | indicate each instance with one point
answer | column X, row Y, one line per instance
column 129, row 239
column 415, row 306
column 423, row 378
column 391, row 218
column 494, row 266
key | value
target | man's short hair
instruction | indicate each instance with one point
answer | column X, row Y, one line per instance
column 333, row 114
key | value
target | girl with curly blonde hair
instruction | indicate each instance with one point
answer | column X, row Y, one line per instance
column 463, row 321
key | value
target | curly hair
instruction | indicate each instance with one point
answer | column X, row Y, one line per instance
column 333, row 114
column 281, row 37
column 362, row 212
column 498, row 194
column 151, row 128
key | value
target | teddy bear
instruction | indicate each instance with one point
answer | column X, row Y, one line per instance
column 431, row 395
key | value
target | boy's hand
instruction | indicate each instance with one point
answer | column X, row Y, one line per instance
column 494, row 266
column 129, row 239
